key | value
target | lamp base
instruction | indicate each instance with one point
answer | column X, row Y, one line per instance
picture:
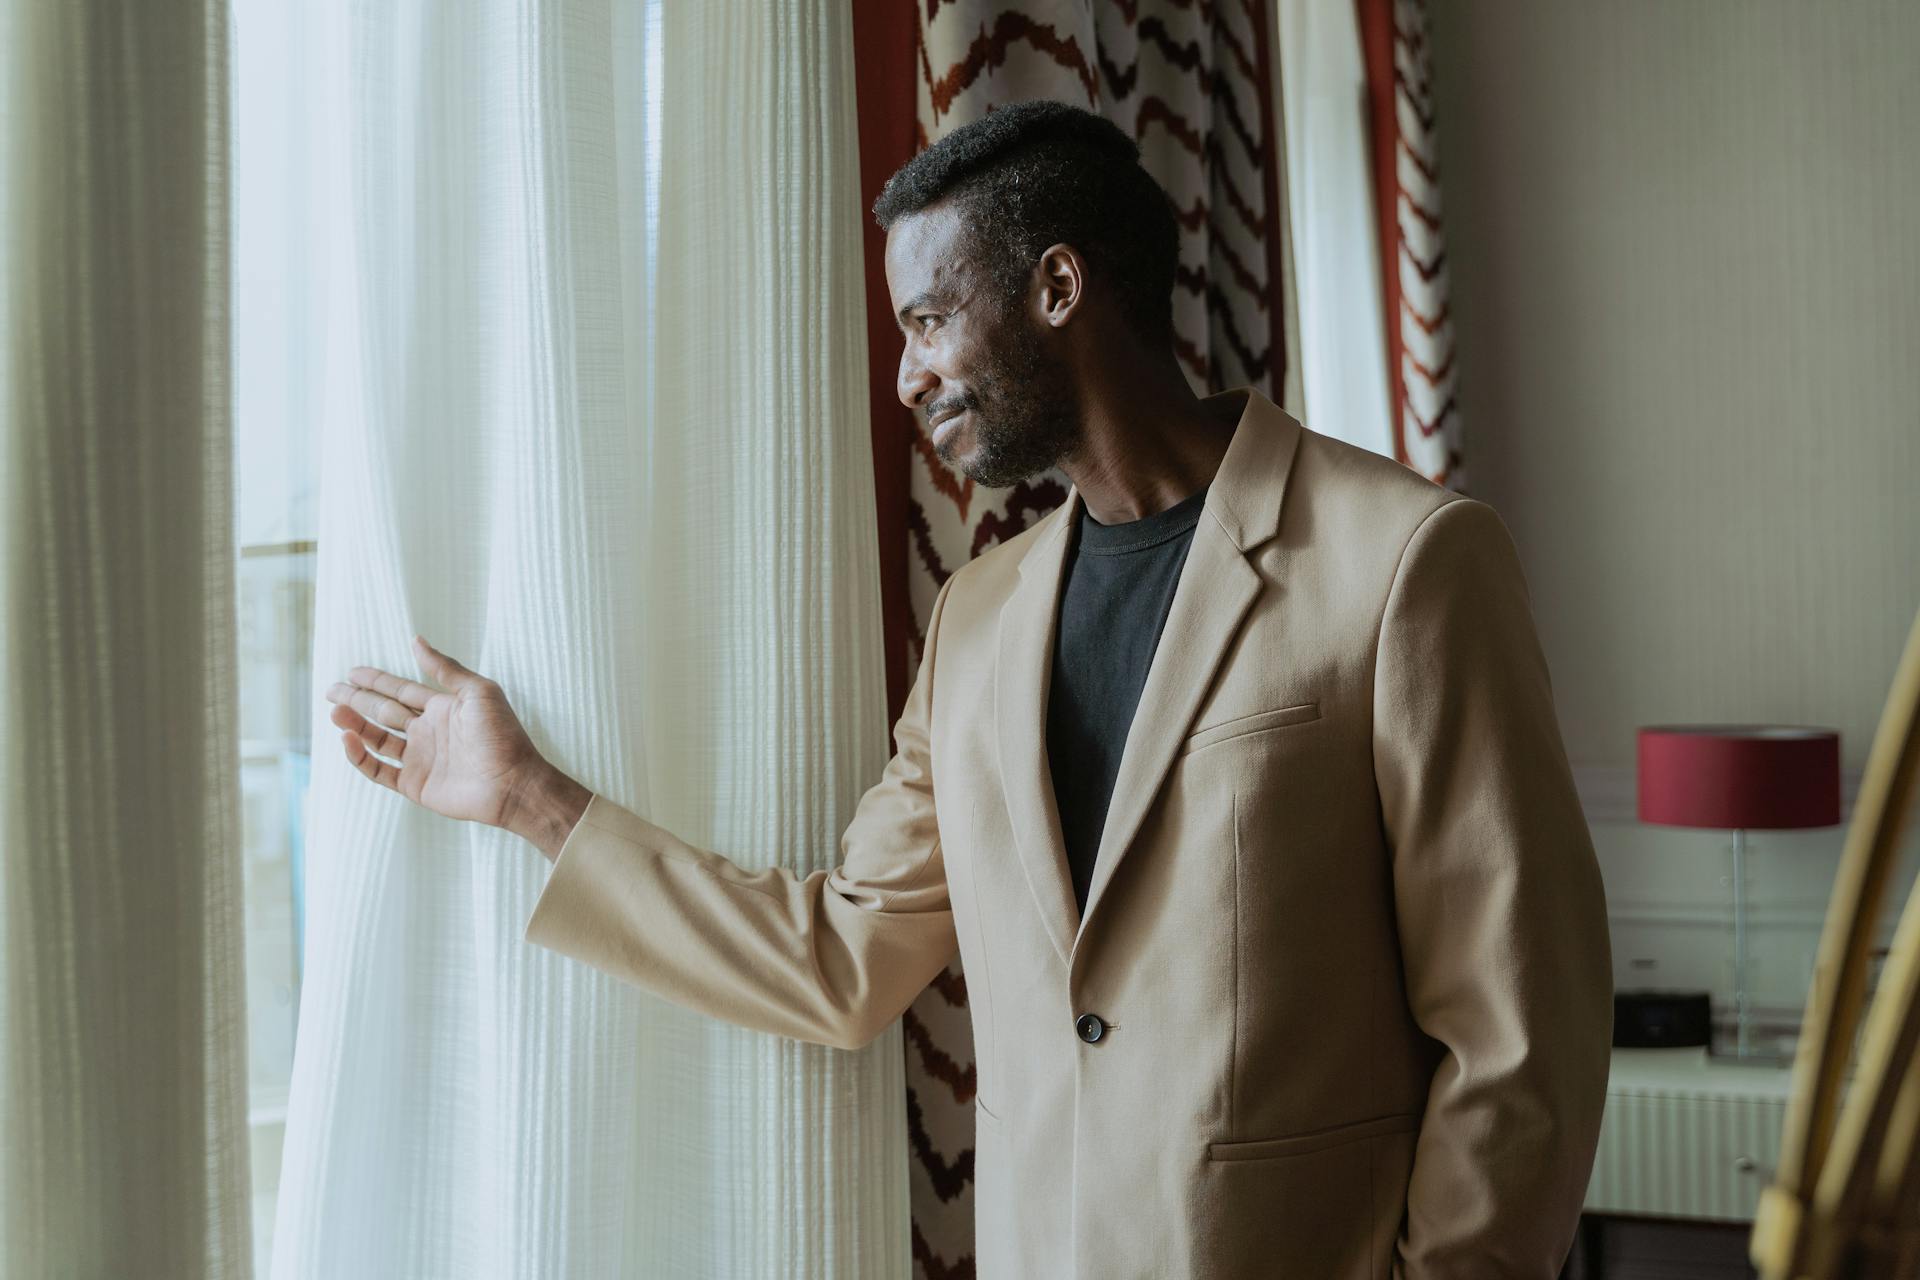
column 1765, row 1044
column 1751, row 1058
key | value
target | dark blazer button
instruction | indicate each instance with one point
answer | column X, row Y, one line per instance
column 1090, row 1027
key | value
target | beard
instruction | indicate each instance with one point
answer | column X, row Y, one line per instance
column 1025, row 412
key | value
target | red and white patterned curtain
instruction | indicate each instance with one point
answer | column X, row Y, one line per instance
column 1413, row 251
column 1196, row 83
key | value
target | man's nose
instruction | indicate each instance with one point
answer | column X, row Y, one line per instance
column 915, row 383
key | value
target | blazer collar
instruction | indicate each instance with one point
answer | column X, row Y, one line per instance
column 1216, row 589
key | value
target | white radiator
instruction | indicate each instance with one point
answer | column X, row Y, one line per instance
column 1686, row 1136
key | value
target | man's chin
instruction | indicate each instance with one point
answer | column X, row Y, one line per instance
column 991, row 473
column 1004, row 479
column 963, row 461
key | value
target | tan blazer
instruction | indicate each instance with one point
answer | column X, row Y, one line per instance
column 1342, row 999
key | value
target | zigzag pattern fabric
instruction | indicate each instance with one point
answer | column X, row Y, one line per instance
column 1426, row 416
column 1190, row 80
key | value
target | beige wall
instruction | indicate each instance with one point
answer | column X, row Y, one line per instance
column 1685, row 246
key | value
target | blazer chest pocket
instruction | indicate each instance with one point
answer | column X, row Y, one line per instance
column 1258, row 722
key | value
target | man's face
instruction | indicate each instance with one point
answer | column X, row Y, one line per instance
column 998, row 401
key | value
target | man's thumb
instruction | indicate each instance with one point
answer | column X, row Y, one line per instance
column 441, row 667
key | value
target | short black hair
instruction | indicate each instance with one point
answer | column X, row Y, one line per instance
column 1032, row 174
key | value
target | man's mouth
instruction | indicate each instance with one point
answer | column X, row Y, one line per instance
column 945, row 426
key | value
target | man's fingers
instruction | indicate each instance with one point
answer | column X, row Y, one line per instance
column 377, row 707
column 441, row 667
column 410, row 693
column 366, row 762
column 387, row 744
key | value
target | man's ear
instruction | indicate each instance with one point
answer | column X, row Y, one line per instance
column 1062, row 279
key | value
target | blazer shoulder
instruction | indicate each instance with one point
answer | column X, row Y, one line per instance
column 1362, row 502
column 1373, row 480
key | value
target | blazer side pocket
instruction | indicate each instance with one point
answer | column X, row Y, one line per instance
column 1300, row 1144
column 1259, row 721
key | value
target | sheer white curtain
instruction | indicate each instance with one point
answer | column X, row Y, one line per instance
column 1342, row 353
column 123, row 1138
column 587, row 278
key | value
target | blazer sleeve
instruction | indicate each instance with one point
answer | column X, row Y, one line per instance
column 831, row 957
column 1500, row 908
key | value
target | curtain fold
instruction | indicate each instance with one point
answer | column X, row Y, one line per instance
column 884, row 36
column 122, row 1010
column 595, row 422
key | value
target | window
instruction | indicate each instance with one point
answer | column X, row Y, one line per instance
column 274, row 376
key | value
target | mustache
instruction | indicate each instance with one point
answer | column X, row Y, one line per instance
column 953, row 404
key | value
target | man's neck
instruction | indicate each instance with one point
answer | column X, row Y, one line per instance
column 1147, row 443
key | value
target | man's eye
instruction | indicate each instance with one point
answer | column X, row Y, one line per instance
column 922, row 320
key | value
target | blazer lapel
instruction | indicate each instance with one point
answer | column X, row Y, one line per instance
column 1023, row 669
column 1217, row 587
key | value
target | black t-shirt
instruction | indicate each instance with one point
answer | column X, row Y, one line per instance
column 1119, row 582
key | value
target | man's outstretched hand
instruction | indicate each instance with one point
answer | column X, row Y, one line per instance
column 461, row 753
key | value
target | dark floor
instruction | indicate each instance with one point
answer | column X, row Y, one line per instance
column 1646, row 1249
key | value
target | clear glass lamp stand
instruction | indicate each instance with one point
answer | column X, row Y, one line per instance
column 1742, row 1014
column 1743, row 1050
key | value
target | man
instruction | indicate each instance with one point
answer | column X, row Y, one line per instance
column 1235, row 782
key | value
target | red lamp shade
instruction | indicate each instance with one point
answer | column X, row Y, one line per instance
column 1752, row 777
